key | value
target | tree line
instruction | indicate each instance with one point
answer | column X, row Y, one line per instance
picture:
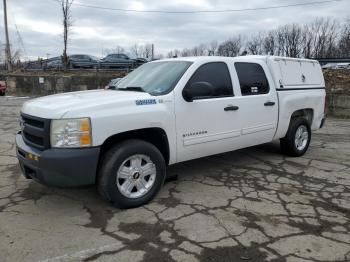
column 322, row 38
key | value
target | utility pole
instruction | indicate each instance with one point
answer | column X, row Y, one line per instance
column 152, row 52
column 7, row 48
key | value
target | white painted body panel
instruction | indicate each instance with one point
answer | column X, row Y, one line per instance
column 215, row 130
column 252, row 124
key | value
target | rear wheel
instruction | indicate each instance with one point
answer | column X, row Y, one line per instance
column 131, row 173
column 297, row 139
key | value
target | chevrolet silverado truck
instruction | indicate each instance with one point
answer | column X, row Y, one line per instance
column 166, row 112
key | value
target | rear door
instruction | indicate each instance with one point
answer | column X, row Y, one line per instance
column 257, row 102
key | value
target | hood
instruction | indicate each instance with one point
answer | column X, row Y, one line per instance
column 57, row 106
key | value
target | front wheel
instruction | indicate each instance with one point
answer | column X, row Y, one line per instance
column 131, row 173
column 297, row 139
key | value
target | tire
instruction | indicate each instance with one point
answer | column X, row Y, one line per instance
column 289, row 144
column 117, row 164
column 2, row 93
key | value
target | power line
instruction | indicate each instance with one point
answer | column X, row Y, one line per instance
column 202, row 11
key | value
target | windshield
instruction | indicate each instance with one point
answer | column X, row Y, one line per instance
column 156, row 78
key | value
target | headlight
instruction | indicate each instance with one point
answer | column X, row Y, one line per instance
column 71, row 133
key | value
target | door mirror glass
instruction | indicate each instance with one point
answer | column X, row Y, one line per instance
column 198, row 90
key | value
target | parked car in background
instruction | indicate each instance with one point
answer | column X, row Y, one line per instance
column 113, row 83
column 54, row 63
column 33, row 65
column 83, row 61
column 2, row 88
column 336, row 66
column 343, row 66
column 111, row 61
column 117, row 61
column 140, row 61
column 329, row 66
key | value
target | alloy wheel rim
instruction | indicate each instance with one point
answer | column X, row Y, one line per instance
column 301, row 137
column 136, row 176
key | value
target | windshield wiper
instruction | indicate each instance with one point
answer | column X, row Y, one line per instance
column 132, row 88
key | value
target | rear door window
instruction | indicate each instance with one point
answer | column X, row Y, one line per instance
column 252, row 79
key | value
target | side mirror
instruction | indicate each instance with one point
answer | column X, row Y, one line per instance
column 197, row 90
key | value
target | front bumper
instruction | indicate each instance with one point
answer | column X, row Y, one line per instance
column 58, row 167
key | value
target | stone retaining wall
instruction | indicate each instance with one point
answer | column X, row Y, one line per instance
column 41, row 84
column 338, row 92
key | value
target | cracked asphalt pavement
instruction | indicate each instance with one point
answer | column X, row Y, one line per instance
column 249, row 205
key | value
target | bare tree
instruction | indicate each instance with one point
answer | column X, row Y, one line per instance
column 135, row 50
column 170, row 54
column 117, row 50
column 255, row 44
column 269, row 43
column 212, row 48
column 147, row 51
column 67, row 24
column 199, row 50
column 230, row 47
column 186, row 52
column 293, row 40
column 174, row 53
column 308, row 41
column 325, row 34
column 344, row 41
column 320, row 39
column 144, row 51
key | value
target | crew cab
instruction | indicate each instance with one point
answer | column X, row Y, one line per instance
column 166, row 112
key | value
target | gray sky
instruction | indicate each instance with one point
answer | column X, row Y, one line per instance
column 39, row 23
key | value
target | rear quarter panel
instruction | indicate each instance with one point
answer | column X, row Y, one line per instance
column 293, row 100
column 300, row 85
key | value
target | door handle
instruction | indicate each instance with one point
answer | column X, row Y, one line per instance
column 231, row 108
column 269, row 103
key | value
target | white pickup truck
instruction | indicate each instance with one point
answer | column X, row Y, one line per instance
column 166, row 112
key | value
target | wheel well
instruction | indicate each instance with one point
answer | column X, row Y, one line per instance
column 155, row 136
column 306, row 113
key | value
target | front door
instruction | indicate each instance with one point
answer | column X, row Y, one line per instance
column 207, row 125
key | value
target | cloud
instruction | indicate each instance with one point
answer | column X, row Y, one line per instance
column 39, row 23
